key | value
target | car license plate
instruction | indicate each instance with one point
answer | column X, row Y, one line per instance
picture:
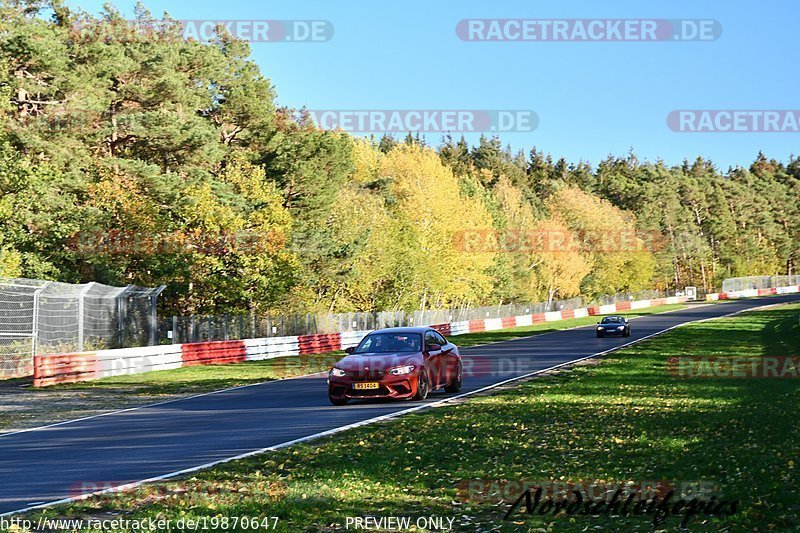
column 366, row 386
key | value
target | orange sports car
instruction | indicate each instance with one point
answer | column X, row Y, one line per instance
column 396, row 363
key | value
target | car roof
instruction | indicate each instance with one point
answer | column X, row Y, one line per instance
column 417, row 329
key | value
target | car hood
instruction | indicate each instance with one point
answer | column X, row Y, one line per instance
column 383, row 361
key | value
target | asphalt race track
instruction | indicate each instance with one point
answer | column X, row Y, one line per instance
column 53, row 463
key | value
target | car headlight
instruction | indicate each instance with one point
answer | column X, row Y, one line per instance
column 620, row 328
column 599, row 327
column 402, row 370
column 337, row 372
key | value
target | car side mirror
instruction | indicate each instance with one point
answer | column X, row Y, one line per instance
column 350, row 349
column 434, row 347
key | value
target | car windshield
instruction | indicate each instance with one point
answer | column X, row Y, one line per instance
column 612, row 320
column 390, row 342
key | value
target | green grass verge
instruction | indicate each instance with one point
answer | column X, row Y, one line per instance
column 622, row 420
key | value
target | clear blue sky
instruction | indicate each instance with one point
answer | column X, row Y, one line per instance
column 592, row 98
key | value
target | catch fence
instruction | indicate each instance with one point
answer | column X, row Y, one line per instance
column 39, row 317
column 181, row 329
column 758, row 282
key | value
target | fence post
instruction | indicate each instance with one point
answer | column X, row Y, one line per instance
column 81, row 297
column 175, row 330
column 154, row 316
column 121, row 308
column 35, row 325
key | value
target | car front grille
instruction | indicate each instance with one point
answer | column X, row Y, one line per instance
column 372, row 375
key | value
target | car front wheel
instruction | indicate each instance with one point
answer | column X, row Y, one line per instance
column 422, row 385
column 337, row 401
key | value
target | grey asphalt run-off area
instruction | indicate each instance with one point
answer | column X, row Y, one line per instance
column 52, row 463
